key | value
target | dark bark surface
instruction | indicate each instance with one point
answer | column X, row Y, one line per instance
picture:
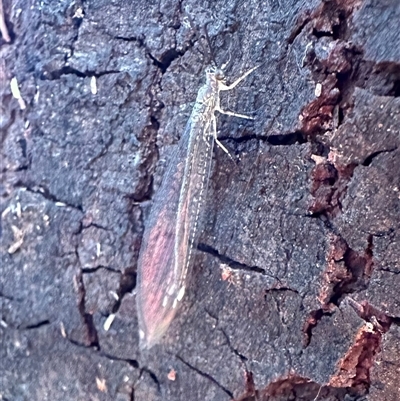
column 295, row 290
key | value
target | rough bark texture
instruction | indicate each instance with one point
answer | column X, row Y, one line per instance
column 295, row 292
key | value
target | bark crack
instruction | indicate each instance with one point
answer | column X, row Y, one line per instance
column 205, row 375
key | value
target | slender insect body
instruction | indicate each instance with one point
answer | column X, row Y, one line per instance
column 172, row 231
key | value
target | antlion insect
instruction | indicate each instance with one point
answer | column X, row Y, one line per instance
column 173, row 227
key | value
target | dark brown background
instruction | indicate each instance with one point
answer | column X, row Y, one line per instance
column 306, row 226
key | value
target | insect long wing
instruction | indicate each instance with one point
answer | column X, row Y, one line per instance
column 193, row 195
column 170, row 235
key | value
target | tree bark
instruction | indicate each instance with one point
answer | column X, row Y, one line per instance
column 294, row 294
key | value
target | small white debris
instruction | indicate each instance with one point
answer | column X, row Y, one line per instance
column 101, row 385
column 114, row 295
column 172, row 375
column 165, row 301
column 93, row 85
column 5, row 212
column 18, row 210
column 79, row 13
column 318, row 159
column 109, row 322
column 62, row 328
column 19, row 240
column 37, row 94
column 229, row 275
column 318, row 90
column 16, row 93
column 369, row 327
column 141, row 334
column 60, row 204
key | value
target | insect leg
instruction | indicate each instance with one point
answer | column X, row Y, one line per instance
column 214, row 134
column 224, row 87
column 231, row 113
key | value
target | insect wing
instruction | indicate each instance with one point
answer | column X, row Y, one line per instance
column 167, row 253
column 193, row 194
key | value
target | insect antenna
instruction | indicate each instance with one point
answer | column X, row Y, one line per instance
column 202, row 36
column 211, row 55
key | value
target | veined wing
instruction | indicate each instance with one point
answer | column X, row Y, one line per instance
column 167, row 250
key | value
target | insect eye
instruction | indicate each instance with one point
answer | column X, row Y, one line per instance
column 219, row 74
